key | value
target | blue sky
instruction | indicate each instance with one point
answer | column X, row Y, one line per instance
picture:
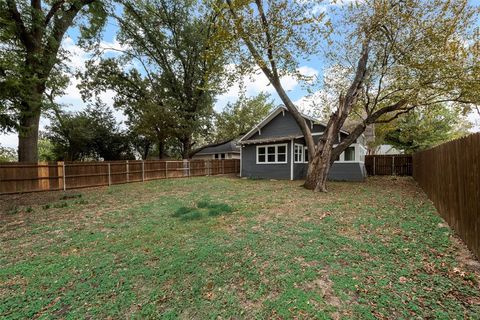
column 254, row 84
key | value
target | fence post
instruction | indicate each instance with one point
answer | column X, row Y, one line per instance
column 109, row 177
column 143, row 170
column 223, row 166
column 61, row 175
column 128, row 175
column 393, row 165
column 64, row 177
column 189, row 163
column 185, row 168
column 166, row 169
column 374, row 164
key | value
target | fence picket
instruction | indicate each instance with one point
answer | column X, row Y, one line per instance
column 450, row 176
column 28, row 177
column 398, row 164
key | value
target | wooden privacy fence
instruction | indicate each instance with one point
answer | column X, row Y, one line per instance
column 450, row 176
column 389, row 165
column 25, row 177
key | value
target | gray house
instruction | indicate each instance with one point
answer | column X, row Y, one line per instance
column 222, row 150
column 276, row 149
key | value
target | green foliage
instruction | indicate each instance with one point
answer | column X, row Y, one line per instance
column 89, row 134
column 241, row 116
column 172, row 94
column 46, row 150
column 31, row 68
column 203, row 207
column 7, row 154
column 424, row 128
column 71, row 196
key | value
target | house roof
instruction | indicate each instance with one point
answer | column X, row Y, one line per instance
column 270, row 117
column 227, row 146
column 267, row 140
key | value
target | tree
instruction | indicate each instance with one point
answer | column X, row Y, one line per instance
column 89, row 134
column 7, row 154
column 423, row 128
column 141, row 98
column 46, row 151
column 31, row 35
column 173, row 41
column 241, row 116
column 409, row 54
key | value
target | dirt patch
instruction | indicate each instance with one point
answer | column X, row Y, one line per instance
column 324, row 285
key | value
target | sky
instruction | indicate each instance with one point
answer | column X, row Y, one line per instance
column 253, row 84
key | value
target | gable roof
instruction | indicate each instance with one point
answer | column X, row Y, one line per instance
column 227, row 146
column 272, row 115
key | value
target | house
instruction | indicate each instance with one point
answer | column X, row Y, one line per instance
column 385, row 149
column 276, row 149
column 222, row 150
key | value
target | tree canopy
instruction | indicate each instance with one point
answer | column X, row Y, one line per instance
column 241, row 116
column 91, row 134
column 423, row 128
column 31, row 34
column 400, row 55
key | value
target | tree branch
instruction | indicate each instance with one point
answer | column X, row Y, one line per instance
column 53, row 10
column 20, row 29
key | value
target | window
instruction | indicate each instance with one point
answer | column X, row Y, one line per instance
column 219, row 155
column 298, row 153
column 272, row 154
column 349, row 154
column 282, row 153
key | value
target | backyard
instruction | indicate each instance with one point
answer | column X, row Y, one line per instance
column 223, row 247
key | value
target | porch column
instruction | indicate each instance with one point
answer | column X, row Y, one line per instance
column 291, row 158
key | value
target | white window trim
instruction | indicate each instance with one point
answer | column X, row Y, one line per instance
column 305, row 149
column 276, row 153
column 301, row 160
column 302, row 153
column 358, row 156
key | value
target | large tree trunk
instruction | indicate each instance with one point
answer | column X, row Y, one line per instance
column 29, row 122
column 161, row 149
column 318, row 169
column 28, row 137
column 146, row 150
column 186, row 147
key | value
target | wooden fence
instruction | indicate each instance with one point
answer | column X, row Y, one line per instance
column 450, row 176
column 25, row 177
column 389, row 165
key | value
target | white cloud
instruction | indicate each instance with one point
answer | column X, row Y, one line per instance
column 255, row 83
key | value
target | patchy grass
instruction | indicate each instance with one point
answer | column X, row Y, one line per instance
column 217, row 247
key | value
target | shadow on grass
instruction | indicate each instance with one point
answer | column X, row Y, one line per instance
column 203, row 208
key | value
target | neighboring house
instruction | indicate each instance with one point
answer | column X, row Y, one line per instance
column 223, row 150
column 385, row 149
column 268, row 149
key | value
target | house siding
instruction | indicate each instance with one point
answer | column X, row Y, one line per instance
column 251, row 169
column 347, row 171
column 339, row 171
column 282, row 125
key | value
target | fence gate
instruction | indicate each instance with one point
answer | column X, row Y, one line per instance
column 389, row 165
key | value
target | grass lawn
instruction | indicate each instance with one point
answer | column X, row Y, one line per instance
column 220, row 247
